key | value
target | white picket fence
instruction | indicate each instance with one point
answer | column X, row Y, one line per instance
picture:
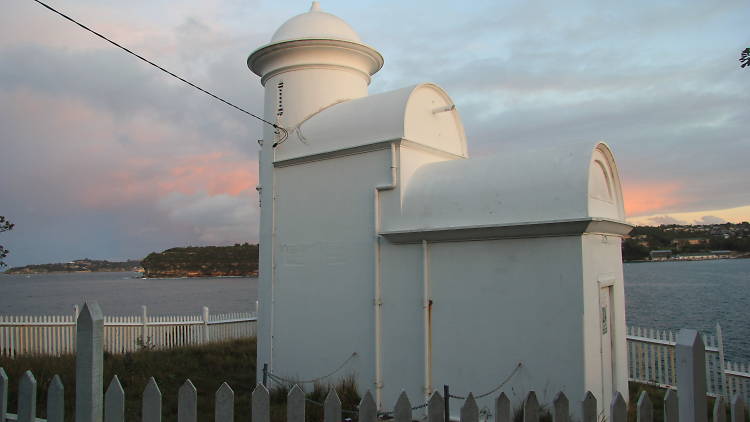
column 55, row 334
column 93, row 405
column 651, row 360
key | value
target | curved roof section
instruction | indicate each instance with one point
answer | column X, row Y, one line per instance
column 423, row 114
column 315, row 24
column 565, row 182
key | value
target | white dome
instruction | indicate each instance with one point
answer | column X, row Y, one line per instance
column 315, row 24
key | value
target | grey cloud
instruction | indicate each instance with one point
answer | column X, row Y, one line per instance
column 710, row 219
column 666, row 220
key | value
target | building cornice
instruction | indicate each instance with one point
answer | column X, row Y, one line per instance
column 572, row 227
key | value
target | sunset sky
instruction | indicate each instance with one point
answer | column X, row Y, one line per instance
column 102, row 156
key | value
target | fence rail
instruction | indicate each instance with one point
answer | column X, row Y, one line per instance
column 93, row 405
column 56, row 334
column 651, row 360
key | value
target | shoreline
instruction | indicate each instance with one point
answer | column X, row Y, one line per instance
column 683, row 259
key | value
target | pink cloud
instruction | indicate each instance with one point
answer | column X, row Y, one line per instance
column 651, row 197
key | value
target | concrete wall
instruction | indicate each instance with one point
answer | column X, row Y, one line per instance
column 495, row 306
column 602, row 263
column 323, row 289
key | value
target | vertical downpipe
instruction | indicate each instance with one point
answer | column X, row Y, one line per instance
column 427, row 307
column 272, row 157
column 378, row 288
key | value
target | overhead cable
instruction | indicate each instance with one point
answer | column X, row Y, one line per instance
column 279, row 130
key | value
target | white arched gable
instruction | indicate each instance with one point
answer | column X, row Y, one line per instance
column 604, row 189
column 423, row 114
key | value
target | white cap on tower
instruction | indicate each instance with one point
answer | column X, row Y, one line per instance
column 315, row 24
column 320, row 30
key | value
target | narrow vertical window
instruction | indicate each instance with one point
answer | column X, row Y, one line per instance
column 280, row 90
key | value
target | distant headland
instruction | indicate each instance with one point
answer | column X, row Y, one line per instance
column 240, row 260
column 80, row 265
column 676, row 242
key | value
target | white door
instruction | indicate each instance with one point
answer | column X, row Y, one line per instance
column 605, row 329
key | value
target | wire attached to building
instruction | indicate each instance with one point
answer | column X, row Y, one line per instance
column 278, row 378
column 279, row 130
column 505, row 381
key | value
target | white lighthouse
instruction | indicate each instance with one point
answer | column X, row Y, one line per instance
column 389, row 255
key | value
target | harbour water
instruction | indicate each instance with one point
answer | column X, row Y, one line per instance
column 122, row 294
column 693, row 294
column 662, row 295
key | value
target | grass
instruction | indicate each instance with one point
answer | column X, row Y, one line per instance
column 207, row 366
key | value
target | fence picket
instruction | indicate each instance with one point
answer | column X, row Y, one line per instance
column 3, row 394
column 531, row 408
column 224, row 404
column 737, row 409
column 720, row 410
column 187, row 403
column 368, row 410
column 470, row 410
column 332, row 407
column 89, row 363
column 588, row 407
column 644, row 409
column 295, row 405
column 402, row 409
column 502, row 408
column 55, row 400
column 27, row 398
column 261, row 407
column 691, row 355
column 436, row 408
column 561, row 411
column 618, row 410
column 151, row 407
column 114, row 402
column 671, row 409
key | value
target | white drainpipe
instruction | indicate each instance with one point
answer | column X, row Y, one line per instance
column 427, row 308
column 378, row 300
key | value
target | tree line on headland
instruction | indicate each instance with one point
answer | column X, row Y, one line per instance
column 687, row 239
column 193, row 261
column 203, row 261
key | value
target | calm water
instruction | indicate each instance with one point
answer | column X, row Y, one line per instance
column 664, row 295
column 693, row 294
column 121, row 294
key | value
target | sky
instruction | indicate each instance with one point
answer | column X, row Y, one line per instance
column 104, row 157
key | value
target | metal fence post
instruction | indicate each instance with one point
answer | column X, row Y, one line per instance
column 144, row 325
column 691, row 376
column 446, row 403
column 265, row 375
column 205, row 324
column 89, row 364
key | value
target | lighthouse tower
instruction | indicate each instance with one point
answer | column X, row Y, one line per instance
column 388, row 256
column 314, row 60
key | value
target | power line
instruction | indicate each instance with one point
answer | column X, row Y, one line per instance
column 281, row 130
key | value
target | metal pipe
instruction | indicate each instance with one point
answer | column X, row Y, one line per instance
column 427, row 310
column 378, row 287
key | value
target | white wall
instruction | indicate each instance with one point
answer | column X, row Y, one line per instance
column 602, row 263
column 324, row 271
column 503, row 301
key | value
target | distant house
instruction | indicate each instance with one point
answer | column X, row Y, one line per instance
column 689, row 242
column 722, row 253
column 660, row 255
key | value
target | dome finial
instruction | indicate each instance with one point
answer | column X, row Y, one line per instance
column 315, row 7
